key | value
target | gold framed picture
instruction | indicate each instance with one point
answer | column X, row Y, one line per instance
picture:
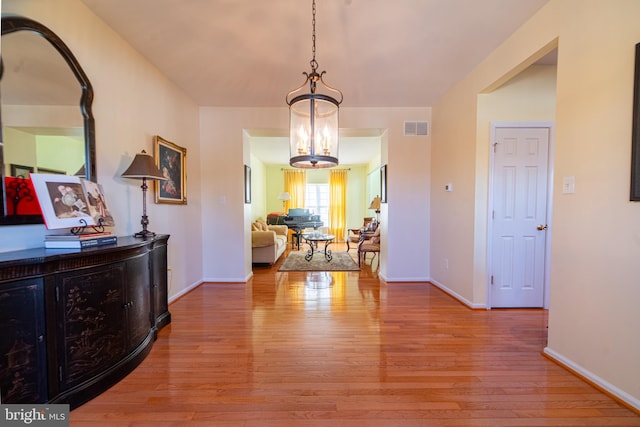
column 171, row 160
column 22, row 171
column 383, row 184
column 247, row 184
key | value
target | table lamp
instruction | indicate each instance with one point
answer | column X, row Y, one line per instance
column 144, row 168
column 375, row 205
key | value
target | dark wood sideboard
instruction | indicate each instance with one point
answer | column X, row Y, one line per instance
column 75, row 322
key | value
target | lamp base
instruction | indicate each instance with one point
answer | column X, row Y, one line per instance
column 144, row 234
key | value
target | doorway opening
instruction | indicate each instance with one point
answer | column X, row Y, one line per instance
column 524, row 98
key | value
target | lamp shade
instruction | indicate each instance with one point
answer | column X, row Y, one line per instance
column 375, row 203
column 284, row 196
column 143, row 166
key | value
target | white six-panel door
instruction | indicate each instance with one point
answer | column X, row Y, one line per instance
column 519, row 216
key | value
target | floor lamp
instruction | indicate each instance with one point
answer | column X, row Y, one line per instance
column 284, row 196
column 144, row 168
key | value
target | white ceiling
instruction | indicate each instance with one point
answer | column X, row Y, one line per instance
column 251, row 53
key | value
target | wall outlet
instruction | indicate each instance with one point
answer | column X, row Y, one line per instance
column 448, row 187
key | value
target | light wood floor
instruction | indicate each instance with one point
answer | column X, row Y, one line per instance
column 292, row 349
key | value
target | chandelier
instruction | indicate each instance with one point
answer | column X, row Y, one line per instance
column 313, row 118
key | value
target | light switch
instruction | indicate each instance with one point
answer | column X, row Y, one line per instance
column 569, row 185
column 448, row 187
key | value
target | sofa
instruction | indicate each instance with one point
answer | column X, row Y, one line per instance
column 268, row 242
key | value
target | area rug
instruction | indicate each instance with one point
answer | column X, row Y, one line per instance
column 341, row 261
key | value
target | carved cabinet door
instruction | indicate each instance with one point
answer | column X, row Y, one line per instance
column 22, row 342
column 138, row 301
column 159, row 283
column 92, row 328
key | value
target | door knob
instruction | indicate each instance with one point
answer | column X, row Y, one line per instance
column 542, row 227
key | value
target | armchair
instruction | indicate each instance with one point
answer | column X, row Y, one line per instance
column 369, row 242
column 353, row 234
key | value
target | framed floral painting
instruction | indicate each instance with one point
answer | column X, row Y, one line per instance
column 171, row 160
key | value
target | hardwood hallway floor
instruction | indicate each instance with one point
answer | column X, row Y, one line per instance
column 344, row 349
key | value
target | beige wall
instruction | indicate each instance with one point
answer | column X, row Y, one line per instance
column 227, row 257
column 528, row 97
column 595, row 236
column 405, row 218
column 16, row 150
column 275, row 178
column 54, row 152
column 21, row 151
column 133, row 102
column 357, row 202
column 60, row 153
column 226, row 219
column 259, row 189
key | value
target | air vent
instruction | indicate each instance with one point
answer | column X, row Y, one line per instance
column 416, row 128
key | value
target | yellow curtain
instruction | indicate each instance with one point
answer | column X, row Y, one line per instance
column 295, row 182
column 338, row 203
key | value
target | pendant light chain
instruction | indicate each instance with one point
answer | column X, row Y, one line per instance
column 313, row 63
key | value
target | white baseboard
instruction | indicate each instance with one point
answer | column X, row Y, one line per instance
column 405, row 279
column 186, row 290
column 458, row 296
column 402, row 279
column 227, row 279
column 593, row 378
column 207, row 280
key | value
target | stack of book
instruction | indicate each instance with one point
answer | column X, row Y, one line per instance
column 79, row 241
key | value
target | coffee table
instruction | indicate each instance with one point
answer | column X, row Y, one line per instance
column 313, row 239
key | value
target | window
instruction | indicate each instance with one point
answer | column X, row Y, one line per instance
column 317, row 201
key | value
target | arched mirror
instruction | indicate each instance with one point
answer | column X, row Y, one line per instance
column 45, row 112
